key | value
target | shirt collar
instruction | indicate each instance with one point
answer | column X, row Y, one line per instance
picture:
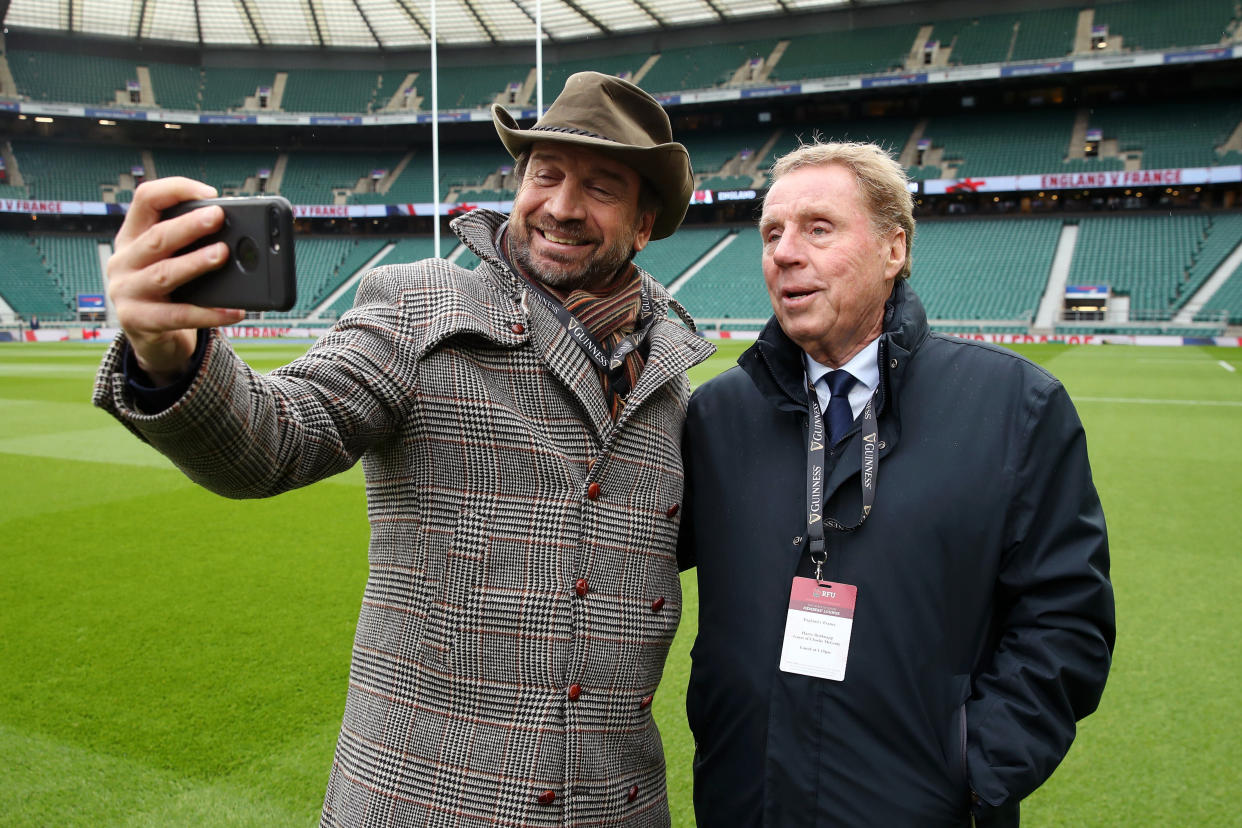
column 865, row 366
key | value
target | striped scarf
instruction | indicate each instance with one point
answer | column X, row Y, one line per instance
column 609, row 316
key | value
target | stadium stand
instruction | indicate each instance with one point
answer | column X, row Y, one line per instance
column 330, row 90
column 176, row 86
column 310, row 177
column 1155, row 24
column 226, row 88
column 983, row 268
column 730, row 286
column 405, row 250
column 1177, row 134
column 1013, row 142
column 70, row 78
column 473, row 87
column 1227, row 301
column 25, row 282
column 1147, row 257
column 977, row 40
column 225, row 170
column 42, row 274
column 555, row 74
column 73, row 264
column 323, row 264
column 65, row 172
column 854, row 52
column 390, row 84
column 1047, row 33
column 1002, row 38
column 668, row 258
column 698, row 68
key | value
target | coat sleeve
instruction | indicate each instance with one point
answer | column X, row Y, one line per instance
column 242, row 434
column 1055, row 619
column 687, row 556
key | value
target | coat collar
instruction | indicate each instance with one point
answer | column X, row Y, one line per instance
column 774, row 363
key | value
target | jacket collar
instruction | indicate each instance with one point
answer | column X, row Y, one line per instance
column 774, row 363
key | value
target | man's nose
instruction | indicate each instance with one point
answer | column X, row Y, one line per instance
column 567, row 203
column 788, row 249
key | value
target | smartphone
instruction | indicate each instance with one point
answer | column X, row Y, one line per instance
column 259, row 273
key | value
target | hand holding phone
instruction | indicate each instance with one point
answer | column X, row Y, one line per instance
column 259, row 272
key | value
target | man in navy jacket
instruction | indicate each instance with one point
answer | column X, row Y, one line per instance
column 900, row 618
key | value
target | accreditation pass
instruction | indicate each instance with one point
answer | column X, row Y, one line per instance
column 817, row 631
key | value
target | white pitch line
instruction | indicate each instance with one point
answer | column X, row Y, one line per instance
column 1226, row 366
column 1145, row 401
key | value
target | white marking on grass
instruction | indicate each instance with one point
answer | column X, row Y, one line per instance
column 1147, row 401
column 94, row 445
column 1226, row 366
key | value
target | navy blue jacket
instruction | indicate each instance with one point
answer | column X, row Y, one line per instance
column 984, row 622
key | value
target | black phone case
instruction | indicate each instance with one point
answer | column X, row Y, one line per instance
column 259, row 274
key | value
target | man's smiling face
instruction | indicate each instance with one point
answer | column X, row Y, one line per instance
column 576, row 220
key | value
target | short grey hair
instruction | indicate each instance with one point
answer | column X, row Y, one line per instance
column 882, row 182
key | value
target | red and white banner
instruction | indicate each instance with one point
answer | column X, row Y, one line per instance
column 1114, row 179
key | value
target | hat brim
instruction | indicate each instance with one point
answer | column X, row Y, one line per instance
column 665, row 166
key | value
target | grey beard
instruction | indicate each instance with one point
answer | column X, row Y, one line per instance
column 595, row 273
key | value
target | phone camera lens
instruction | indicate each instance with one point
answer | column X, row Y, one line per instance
column 248, row 255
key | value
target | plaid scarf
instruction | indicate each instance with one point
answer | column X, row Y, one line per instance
column 609, row 316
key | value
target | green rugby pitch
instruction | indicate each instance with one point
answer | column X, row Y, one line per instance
column 168, row 657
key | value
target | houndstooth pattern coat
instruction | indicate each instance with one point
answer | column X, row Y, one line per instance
column 523, row 587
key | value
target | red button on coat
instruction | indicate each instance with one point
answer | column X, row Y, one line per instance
column 672, row 510
column 581, row 586
column 547, row 797
column 657, row 605
column 593, row 491
column 646, row 702
column 518, row 328
column 633, row 794
column 575, row 690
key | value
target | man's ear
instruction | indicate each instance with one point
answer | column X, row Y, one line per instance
column 646, row 220
column 896, row 259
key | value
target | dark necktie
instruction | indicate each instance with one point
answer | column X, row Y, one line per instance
column 840, row 416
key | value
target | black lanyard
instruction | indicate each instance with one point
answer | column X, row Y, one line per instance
column 816, row 473
column 612, row 365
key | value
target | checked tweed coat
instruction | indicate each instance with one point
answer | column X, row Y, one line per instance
column 523, row 587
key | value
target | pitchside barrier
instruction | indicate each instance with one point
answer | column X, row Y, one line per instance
column 105, row 335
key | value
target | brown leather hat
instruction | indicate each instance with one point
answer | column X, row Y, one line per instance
column 616, row 118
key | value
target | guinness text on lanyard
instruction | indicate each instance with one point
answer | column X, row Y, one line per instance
column 816, row 474
column 612, row 365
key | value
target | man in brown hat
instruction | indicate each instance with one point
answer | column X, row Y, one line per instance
column 519, row 427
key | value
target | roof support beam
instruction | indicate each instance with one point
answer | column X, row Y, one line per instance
column 254, row 27
column 651, row 13
column 414, row 18
column 491, row 36
column 596, row 22
column 374, row 34
column 198, row 23
column 310, row 7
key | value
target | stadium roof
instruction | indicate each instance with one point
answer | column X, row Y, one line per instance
column 386, row 24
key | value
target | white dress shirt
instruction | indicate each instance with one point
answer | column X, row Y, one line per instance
column 865, row 366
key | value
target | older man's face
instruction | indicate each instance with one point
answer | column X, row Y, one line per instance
column 827, row 271
column 575, row 219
